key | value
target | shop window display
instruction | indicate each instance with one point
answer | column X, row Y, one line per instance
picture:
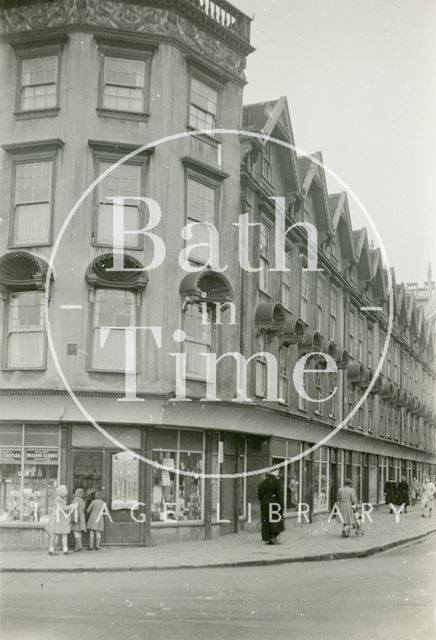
column 289, row 474
column 29, row 469
column 177, row 497
column 320, row 479
column 125, row 475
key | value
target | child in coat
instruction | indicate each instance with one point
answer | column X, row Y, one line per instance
column 59, row 523
column 96, row 510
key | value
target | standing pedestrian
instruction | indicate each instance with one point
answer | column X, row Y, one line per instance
column 346, row 501
column 414, row 490
column 78, row 524
column 427, row 493
column 403, row 493
column 59, row 522
column 270, row 495
column 96, row 510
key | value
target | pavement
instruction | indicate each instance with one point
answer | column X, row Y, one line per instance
column 302, row 542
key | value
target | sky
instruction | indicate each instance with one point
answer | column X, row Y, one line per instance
column 360, row 79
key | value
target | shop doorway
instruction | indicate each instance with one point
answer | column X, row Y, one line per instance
column 117, row 475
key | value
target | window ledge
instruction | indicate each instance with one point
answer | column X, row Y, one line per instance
column 12, row 524
column 36, row 113
column 214, row 140
column 124, row 115
column 6, row 369
column 29, row 245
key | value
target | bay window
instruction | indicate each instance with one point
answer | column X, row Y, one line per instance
column 123, row 84
column 283, row 374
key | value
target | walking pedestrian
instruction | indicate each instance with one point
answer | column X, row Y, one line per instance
column 270, row 495
column 403, row 493
column 59, row 522
column 78, row 524
column 96, row 510
column 427, row 493
column 346, row 501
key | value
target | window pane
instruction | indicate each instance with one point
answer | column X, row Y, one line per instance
column 128, row 73
column 39, row 97
column 105, row 227
column 191, row 440
column 42, row 436
column 200, row 201
column 25, row 350
column 39, row 70
column 122, row 181
column 32, row 223
column 200, row 119
column 11, row 434
column 190, row 487
column 124, row 84
column 32, row 182
column 204, row 96
column 10, row 486
column 26, row 311
column 125, row 475
column 164, row 505
column 39, row 486
column 113, row 308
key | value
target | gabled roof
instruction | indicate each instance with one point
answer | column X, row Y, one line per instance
column 378, row 275
column 361, row 249
column 272, row 119
column 341, row 224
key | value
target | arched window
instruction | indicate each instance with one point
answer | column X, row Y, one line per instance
column 22, row 281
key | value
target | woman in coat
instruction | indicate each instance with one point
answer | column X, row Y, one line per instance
column 270, row 495
column 346, row 501
column 403, row 493
column 78, row 524
column 59, row 522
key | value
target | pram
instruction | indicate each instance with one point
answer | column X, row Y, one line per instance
column 357, row 524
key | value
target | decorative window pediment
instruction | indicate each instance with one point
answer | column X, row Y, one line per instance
column 206, row 286
column 21, row 271
column 99, row 274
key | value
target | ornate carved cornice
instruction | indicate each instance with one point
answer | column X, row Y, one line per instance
column 221, row 35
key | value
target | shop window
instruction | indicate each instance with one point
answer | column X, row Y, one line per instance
column 178, row 497
column 201, row 208
column 115, row 308
column 289, row 474
column 286, row 282
column 357, row 474
column 320, row 479
column 217, row 460
column 203, row 107
column 265, row 233
column 88, row 472
column 29, row 471
column 123, row 181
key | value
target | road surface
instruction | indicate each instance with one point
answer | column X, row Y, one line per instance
column 387, row 597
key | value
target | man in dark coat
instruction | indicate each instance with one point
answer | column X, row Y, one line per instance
column 403, row 493
column 270, row 496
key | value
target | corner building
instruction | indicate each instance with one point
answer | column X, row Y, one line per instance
column 86, row 84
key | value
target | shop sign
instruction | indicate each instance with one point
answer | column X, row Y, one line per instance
column 10, row 456
column 42, row 456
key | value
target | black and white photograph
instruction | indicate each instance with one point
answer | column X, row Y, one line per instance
column 217, row 319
